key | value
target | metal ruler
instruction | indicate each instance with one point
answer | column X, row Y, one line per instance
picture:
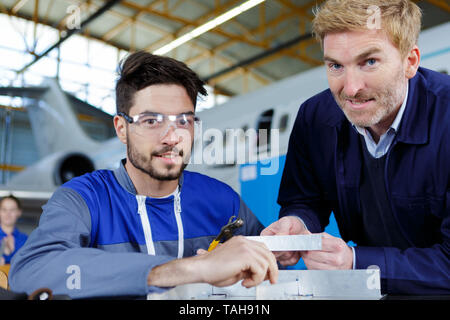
column 291, row 242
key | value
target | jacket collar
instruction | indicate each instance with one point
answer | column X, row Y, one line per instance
column 414, row 126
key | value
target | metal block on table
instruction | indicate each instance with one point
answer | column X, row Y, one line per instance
column 359, row 284
column 290, row 242
column 291, row 284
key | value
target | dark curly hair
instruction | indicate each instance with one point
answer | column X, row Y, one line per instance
column 142, row 69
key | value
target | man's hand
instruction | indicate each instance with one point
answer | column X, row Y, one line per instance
column 286, row 226
column 236, row 259
column 335, row 254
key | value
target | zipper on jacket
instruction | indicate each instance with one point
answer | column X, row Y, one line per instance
column 142, row 210
column 177, row 209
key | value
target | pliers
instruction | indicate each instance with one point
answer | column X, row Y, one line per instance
column 226, row 232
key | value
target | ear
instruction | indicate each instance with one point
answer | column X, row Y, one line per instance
column 412, row 61
column 121, row 128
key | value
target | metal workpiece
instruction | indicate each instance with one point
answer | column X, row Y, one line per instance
column 291, row 285
column 291, row 242
column 323, row 285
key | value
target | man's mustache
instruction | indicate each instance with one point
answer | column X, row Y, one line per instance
column 359, row 96
column 166, row 149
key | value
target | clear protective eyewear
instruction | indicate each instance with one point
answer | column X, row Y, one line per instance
column 150, row 122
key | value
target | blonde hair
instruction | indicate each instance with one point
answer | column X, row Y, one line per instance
column 400, row 19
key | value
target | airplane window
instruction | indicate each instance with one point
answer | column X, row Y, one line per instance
column 284, row 122
column 264, row 126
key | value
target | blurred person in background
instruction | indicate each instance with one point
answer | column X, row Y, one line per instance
column 11, row 238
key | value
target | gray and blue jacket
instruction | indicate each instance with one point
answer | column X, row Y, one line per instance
column 98, row 238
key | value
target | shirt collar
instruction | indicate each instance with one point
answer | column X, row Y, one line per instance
column 396, row 123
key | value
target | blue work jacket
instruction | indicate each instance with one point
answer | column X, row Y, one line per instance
column 323, row 173
column 98, row 238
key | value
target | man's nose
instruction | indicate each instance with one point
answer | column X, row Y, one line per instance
column 353, row 82
column 169, row 135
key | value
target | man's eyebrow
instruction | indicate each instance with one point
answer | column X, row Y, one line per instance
column 329, row 59
column 149, row 113
column 368, row 53
column 359, row 57
column 152, row 113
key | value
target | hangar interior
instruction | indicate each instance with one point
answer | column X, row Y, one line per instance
column 80, row 44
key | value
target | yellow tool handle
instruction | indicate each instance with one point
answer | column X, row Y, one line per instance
column 213, row 245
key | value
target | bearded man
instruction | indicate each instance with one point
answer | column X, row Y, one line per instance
column 137, row 230
column 374, row 149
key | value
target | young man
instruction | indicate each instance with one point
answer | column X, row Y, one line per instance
column 119, row 233
column 374, row 148
column 11, row 239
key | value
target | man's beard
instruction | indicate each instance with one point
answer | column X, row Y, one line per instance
column 387, row 101
column 144, row 164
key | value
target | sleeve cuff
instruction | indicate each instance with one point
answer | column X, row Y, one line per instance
column 309, row 225
column 155, row 289
column 370, row 257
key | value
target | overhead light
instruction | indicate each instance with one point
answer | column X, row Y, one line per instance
column 208, row 26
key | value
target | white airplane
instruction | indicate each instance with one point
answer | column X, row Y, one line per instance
column 251, row 167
